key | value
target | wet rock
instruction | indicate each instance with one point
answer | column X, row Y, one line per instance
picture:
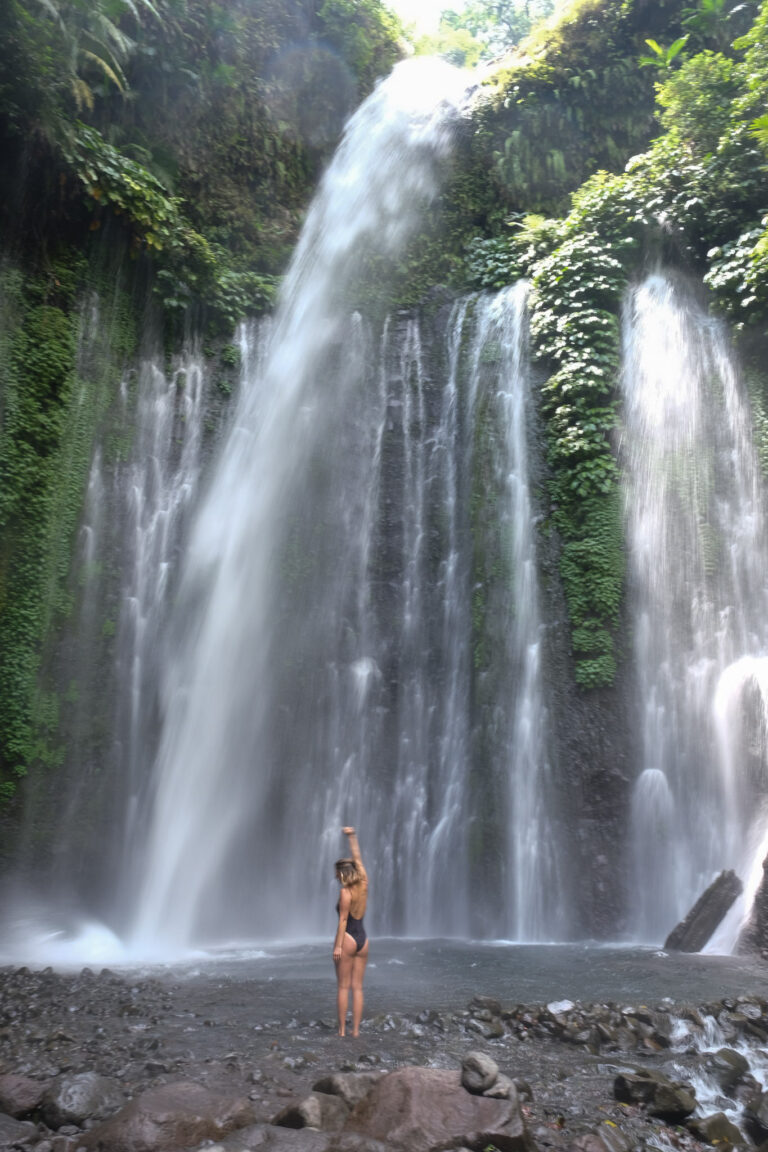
column 654, row 1028
column 754, row 936
column 318, row 1110
column 20, row 1095
column 74, row 1099
column 266, row 1138
column 634, row 1087
column 715, row 1129
column 668, row 1099
column 524, row 1090
column 607, row 1138
column 352, row 1087
column 560, row 1007
column 170, row 1117
column 418, row 1109
column 502, row 1089
column 16, row 1132
column 756, row 1116
column 672, row 1102
column 352, row 1142
column 692, row 933
column 728, row 1068
column 478, row 1072
column 485, row 1004
column 492, row 1030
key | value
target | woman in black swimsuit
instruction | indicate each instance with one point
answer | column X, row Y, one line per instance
column 350, row 949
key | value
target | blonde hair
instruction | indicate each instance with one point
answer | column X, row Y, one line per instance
column 347, row 873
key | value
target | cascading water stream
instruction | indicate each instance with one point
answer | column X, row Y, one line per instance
column 153, row 494
column 220, row 814
column 353, row 632
column 320, row 667
column 697, row 560
column 533, row 894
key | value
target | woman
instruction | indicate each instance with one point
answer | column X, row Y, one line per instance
column 350, row 949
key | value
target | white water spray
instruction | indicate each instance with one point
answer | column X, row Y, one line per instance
column 697, row 561
column 217, row 779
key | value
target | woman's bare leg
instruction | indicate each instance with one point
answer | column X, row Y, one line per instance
column 359, row 962
column 344, row 980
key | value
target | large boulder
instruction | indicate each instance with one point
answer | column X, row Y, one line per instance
column 170, row 1117
column 604, row 1139
column 320, row 1110
column 668, row 1099
column 17, row 1133
column 715, row 1129
column 267, row 1138
column 728, row 1067
column 20, row 1095
column 73, row 1099
column 754, row 936
column 692, row 933
column 756, row 1116
column 420, row 1110
column 351, row 1087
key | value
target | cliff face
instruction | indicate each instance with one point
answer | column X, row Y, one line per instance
column 164, row 170
column 165, row 186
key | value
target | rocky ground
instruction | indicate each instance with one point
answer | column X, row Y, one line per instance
column 205, row 1066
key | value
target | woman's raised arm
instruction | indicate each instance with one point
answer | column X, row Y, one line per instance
column 354, row 849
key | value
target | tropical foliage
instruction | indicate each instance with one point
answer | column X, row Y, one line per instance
column 695, row 196
column 178, row 141
column 483, row 29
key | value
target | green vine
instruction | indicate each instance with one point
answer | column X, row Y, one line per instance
column 190, row 268
column 51, row 409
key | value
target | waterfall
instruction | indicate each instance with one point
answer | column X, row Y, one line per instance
column 697, row 553
column 351, row 698
column 336, row 618
column 532, row 904
column 241, row 782
column 320, row 670
column 154, row 492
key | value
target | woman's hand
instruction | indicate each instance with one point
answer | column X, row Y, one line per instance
column 336, row 954
column 348, row 831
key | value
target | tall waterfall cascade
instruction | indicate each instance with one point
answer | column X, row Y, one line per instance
column 247, row 777
column 320, row 604
column 698, row 563
column 321, row 661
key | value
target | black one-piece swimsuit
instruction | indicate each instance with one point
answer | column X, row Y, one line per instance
column 356, row 930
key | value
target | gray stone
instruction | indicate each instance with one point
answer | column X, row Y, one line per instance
column 715, row 1129
column 672, row 1102
column 728, row 1067
column 266, row 1138
column 692, row 933
column 604, row 1139
column 491, row 1030
column 73, row 1099
column 485, row 1003
column 14, row 1132
column 20, row 1095
column 560, row 1007
column 502, row 1089
column 667, row 1099
column 353, row 1142
column 756, row 1116
column 421, row 1110
column 478, row 1072
column 352, row 1087
column 318, row 1110
column 172, row 1116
